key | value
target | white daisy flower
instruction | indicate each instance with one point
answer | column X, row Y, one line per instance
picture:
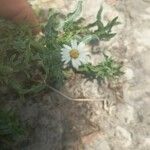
column 76, row 54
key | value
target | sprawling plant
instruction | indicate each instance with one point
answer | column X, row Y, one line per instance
column 29, row 64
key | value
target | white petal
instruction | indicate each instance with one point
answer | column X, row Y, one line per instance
column 74, row 44
column 67, row 47
column 67, row 60
column 85, row 52
column 63, row 59
column 76, row 63
column 81, row 46
column 65, row 56
column 84, row 58
column 83, row 61
column 64, row 53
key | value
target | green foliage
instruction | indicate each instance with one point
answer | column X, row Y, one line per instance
column 108, row 69
column 74, row 15
column 51, row 55
column 28, row 64
column 104, row 32
column 10, row 130
column 74, row 27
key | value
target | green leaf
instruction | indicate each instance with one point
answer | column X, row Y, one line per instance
column 106, row 37
column 50, row 30
column 34, row 89
column 104, row 32
column 112, row 23
column 18, row 87
column 108, row 69
column 5, row 70
column 10, row 129
column 89, row 38
column 99, row 18
column 74, row 15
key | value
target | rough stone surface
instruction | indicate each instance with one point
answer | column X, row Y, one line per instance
column 121, row 119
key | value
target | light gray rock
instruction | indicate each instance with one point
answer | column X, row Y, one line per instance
column 95, row 141
column 126, row 113
column 103, row 145
column 124, row 136
column 129, row 74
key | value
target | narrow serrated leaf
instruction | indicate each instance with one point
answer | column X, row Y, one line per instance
column 89, row 38
column 74, row 15
column 99, row 18
column 112, row 23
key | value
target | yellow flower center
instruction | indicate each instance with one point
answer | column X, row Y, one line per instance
column 74, row 53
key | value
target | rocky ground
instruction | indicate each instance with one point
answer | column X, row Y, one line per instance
column 121, row 119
